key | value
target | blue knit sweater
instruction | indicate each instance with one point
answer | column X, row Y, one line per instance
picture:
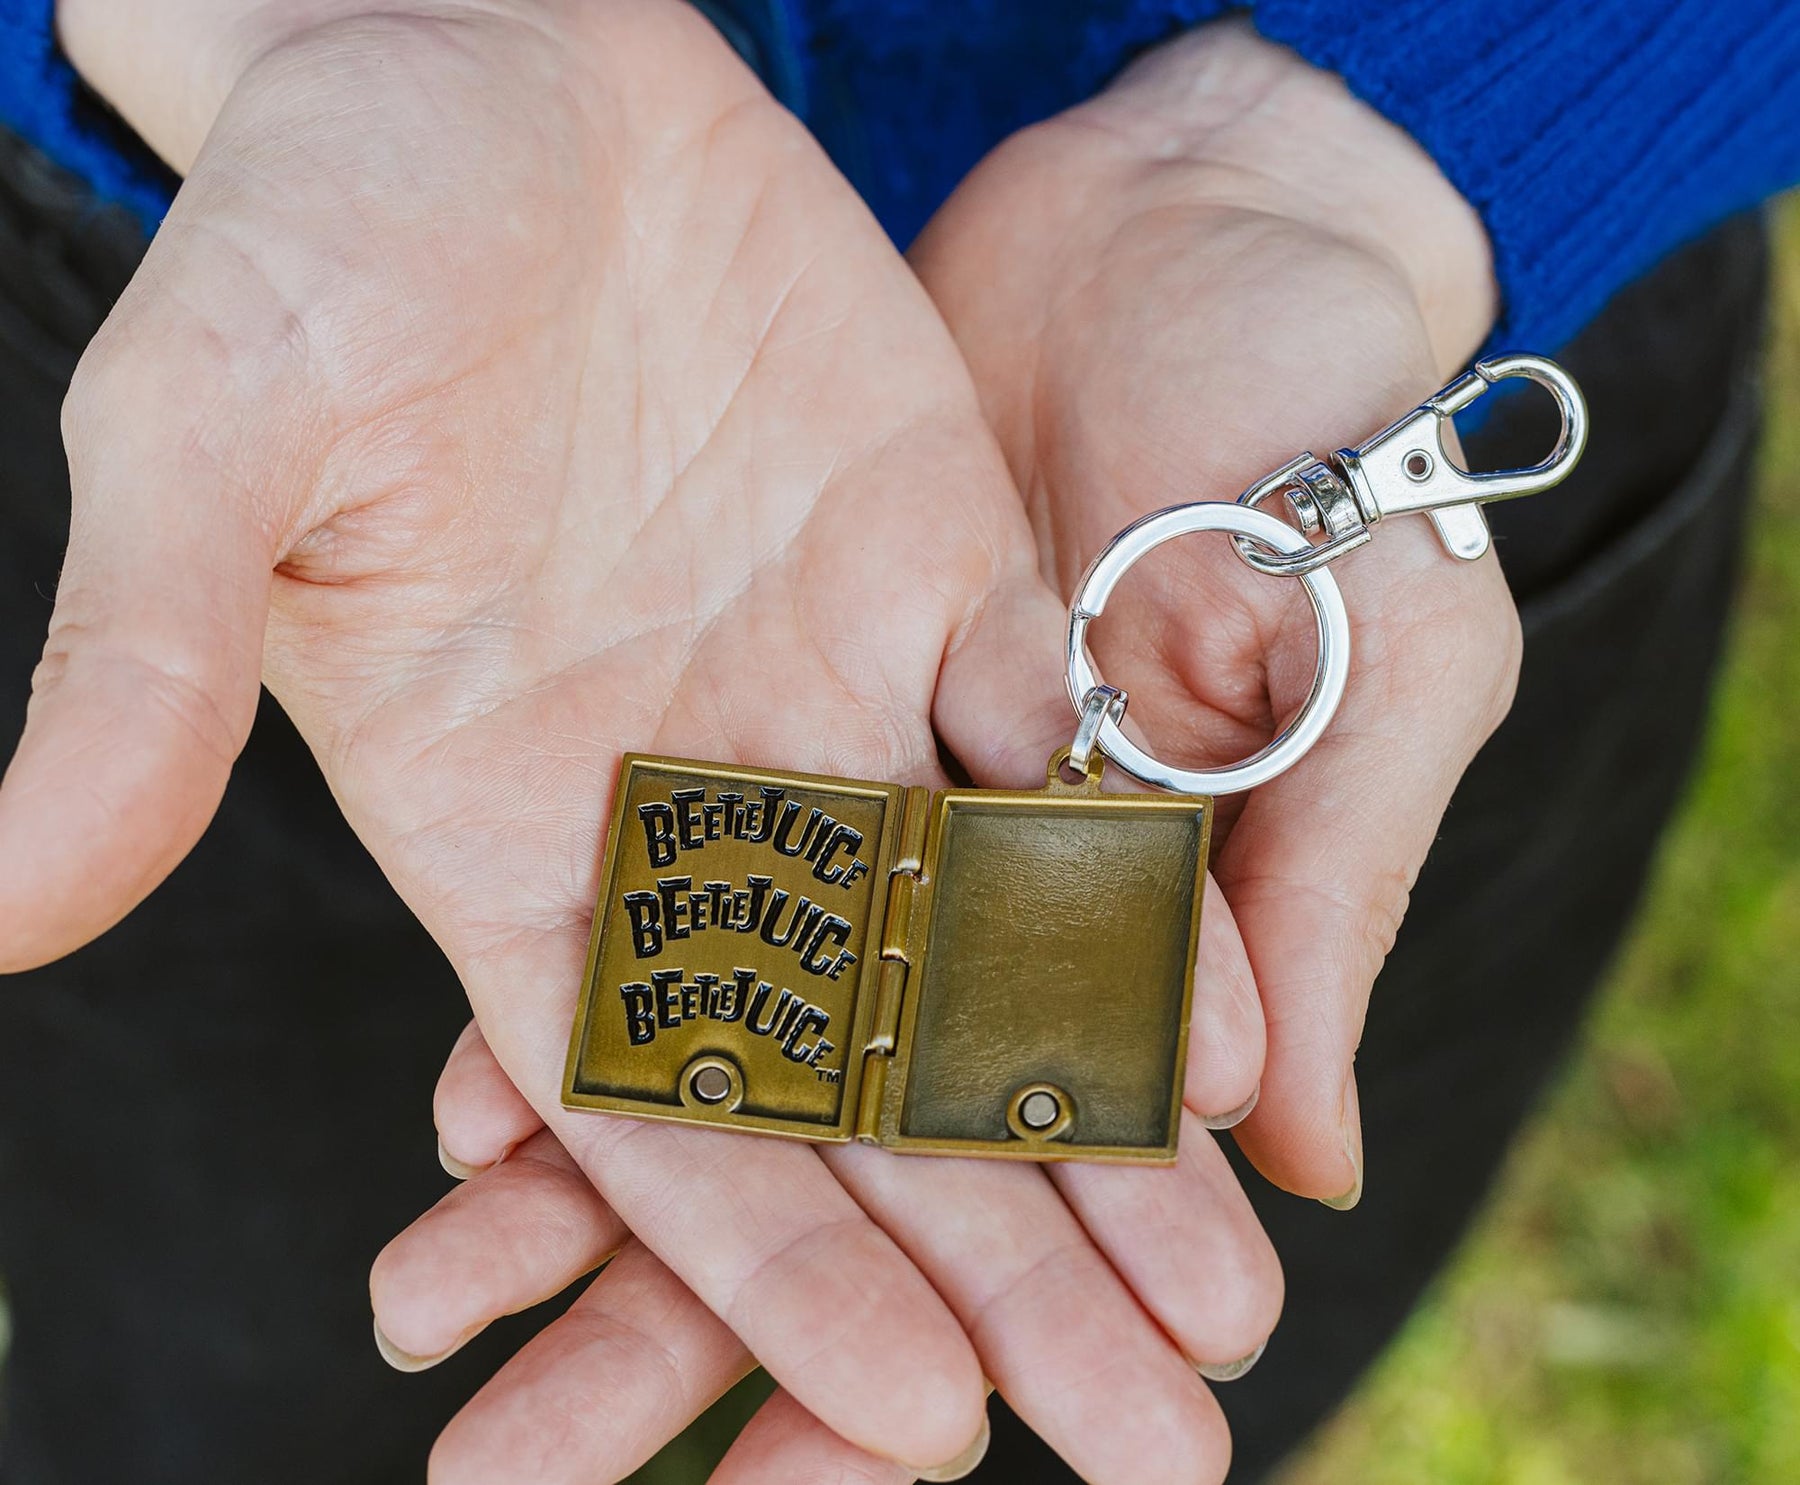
column 1592, row 135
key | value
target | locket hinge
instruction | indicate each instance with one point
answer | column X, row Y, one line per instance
column 899, row 948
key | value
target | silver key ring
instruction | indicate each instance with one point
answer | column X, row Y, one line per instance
column 1289, row 745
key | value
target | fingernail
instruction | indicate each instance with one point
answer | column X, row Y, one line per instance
column 1232, row 1370
column 454, row 1166
column 965, row 1461
column 1236, row 1116
column 405, row 1361
column 1352, row 1147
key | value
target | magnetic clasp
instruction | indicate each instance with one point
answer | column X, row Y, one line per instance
column 1040, row 1113
column 712, row 1084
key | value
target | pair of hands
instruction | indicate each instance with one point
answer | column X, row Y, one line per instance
column 514, row 383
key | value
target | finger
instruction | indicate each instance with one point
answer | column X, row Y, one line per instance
column 804, row 1277
column 511, row 1237
column 1204, row 1224
column 1226, row 1038
column 480, row 1115
column 1001, row 705
column 1057, row 1330
column 1187, row 1242
column 461, row 1267
column 1320, row 865
column 759, row 1229
column 1003, row 709
column 182, row 427
column 784, row 1442
column 1210, row 1277
column 798, row 1266
column 148, row 683
column 770, row 1240
column 598, row 1391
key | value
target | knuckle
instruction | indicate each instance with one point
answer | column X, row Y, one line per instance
column 183, row 693
column 1387, row 896
column 167, row 688
column 1362, row 918
column 104, row 379
column 63, row 644
column 1448, row 639
column 202, row 348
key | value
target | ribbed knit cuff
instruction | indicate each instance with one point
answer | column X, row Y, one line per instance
column 1593, row 138
column 47, row 105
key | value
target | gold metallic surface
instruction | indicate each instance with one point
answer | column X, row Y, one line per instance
column 656, row 968
column 1000, row 973
column 1058, row 956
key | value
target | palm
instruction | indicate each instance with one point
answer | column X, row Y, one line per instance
column 580, row 483
column 639, row 436
column 1169, row 408
column 645, row 478
column 1168, row 333
column 1147, row 330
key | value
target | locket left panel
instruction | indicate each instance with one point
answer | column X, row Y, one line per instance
column 732, row 973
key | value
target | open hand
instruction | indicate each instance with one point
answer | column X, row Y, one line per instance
column 1164, row 294
column 510, row 385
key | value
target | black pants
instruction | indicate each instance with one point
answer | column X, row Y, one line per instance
column 212, row 1118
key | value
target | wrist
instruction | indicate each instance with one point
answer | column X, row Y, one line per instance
column 1266, row 131
column 168, row 66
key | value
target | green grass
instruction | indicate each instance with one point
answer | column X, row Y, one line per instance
column 1628, row 1310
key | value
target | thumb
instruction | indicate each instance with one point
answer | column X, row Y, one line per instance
column 1002, row 708
column 1319, row 867
column 149, row 679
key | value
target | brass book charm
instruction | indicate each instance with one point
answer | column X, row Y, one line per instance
column 971, row 972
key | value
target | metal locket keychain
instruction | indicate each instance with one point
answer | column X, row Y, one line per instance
column 979, row 971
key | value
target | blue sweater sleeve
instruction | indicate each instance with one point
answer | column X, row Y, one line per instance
column 1592, row 137
column 43, row 102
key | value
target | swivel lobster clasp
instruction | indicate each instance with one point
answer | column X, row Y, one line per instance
column 1406, row 467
